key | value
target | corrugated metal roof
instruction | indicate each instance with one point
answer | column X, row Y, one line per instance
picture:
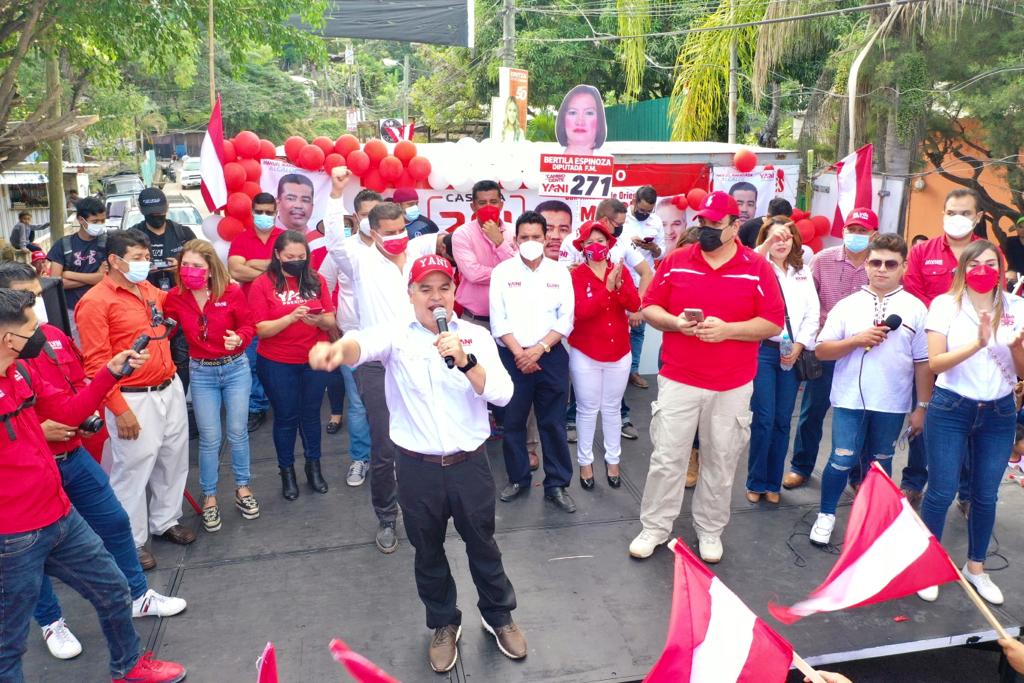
column 647, row 120
column 22, row 178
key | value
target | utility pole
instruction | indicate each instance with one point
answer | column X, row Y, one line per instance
column 405, row 91
column 55, row 161
column 733, row 68
column 209, row 39
column 508, row 34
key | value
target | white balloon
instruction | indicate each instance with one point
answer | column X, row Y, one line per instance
column 437, row 179
column 466, row 141
column 221, row 247
column 510, row 176
column 209, row 227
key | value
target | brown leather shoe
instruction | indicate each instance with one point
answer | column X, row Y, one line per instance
column 913, row 497
column 146, row 559
column 772, row 497
column 637, row 381
column 179, row 534
column 534, row 462
column 792, row 480
column 753, row 497
column 510, row 639
column 444, row 651
column 693, row 470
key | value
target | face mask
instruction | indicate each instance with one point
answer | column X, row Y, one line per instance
column 137, row 271
column 294, row 268
column 193, row 277
column 155, row 220
column 395, row 244
column 263, row 221
column 532, row 250
column 412, row 213
column 641, row 215
column 596, row 251
column 855, row 243
column 364, row 226
column 33, row 345
column 346, row 231
column 710, row 238
column 982, row 279
column 957, row 227
column 94, row 229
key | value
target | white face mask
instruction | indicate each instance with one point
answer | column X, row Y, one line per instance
column 40, row 308
column 532, row 250
column 94, row 229
column 957, row 226
column 364, row 226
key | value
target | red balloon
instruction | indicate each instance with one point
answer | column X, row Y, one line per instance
column 806, row 229
column 405, row 180
column 239, row 205
column 251, row 189
column 419, row 167
column 358, row 162
column 324, row 143
column 346, row 144
column 252, row 169
column 390, row 168
column 376, row 150
column 821, row 225
column 405, row 150
column 247, row 145
column 744, row 161
column 372, row 181
column 422, row 185
column 311, row 158
column 229, row 151
column 267, row 149
column 695, row 197
column 292, row 147
column 234, row 176
column 679, row 201
column 331, row 160
column 229, row 228
column 816, row 245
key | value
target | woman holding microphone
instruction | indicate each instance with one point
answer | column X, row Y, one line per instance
column 293, row 311
column 975, row 348
column 600, row 355
column 214, row 317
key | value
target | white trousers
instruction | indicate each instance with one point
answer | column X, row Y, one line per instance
column 599, row 386
column 148, row 473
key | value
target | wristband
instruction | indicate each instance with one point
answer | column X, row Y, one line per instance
column 923, row 404
column 547, row 349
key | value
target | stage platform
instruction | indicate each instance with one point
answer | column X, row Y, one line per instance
column 308, row 571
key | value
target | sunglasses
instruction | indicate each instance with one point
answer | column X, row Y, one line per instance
column 203, row 327
column 888, row 264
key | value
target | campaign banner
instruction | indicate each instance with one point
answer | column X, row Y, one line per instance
column 751, row 190
column 576, row 176
column 301, row 194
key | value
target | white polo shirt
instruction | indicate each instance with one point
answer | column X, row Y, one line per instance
column 988, row 374
column 530, row 303
column 887, row 378
column 434, row 409
column 801, row 304
column 653, row 228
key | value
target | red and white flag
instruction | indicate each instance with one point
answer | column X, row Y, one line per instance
column 359, row 667
column 403, row 131
column 266, row 665
column 713, row 637
column 211, row 162
column 888, row 553
column 853, row 175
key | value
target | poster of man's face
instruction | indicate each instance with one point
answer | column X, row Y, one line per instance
column 745, row 195
column 294, row 202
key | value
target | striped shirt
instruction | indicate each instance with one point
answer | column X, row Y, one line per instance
column 835, row 278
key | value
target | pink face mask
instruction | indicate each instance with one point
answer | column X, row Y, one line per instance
column 395, row 244
column 193, row 278
column 596, row 251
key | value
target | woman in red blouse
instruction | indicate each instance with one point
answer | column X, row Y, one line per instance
column 214, row 317
column 293, row 311
column 600, row 356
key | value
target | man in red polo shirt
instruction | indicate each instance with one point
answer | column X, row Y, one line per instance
column 715, row 301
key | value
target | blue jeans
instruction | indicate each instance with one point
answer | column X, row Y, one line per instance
column 258, row 401
column 636, row 345
column 815, row 404
column 72, row 552
column 772, row 406
column 212, row 387
column 955, row 428
column 296, row 392
column 853, row 431
column 89, row 490
column 358, row 425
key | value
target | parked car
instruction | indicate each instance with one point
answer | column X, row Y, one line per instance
column 117, row 206
column 190, row 175
column 179, row 209
column 124, row 182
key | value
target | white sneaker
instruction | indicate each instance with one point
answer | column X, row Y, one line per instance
column 985, row 587
column 60, row 641
column 643, row 545
column 152, row 604
column 357, row 473
column 821, row 532
column 929, row 594
column 710, row 548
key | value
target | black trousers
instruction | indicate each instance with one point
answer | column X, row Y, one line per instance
column 428, row 495
column 370, row 382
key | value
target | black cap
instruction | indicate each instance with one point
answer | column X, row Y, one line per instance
column 152, row 200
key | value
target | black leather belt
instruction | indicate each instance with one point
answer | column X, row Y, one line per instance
column 442, row 460
column 474, row 316
column 770, row 344
column 142, row 390
column 217, row 362
column 61, row 457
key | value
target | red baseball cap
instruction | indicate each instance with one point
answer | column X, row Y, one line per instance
column 717, row 206
column 38, row 256
column 863, row 217
column 425, row 265
column 588, row 228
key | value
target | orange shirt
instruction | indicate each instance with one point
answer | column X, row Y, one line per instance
column 110, row 318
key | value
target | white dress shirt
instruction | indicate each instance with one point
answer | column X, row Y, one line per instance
column 801, row 304
column 530, row 303
column 654, row 228
column 348, row 312
column 434, row 408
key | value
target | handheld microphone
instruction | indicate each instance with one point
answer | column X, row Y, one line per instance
column 441, row 318
column 893, row 322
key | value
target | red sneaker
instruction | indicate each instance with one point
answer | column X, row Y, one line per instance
column 149, row 670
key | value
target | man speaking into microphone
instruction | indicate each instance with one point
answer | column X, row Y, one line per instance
column 440, row 374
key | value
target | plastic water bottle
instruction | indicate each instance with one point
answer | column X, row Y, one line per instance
column 786, row 348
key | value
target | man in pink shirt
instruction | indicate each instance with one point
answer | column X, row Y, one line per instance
column 477, row 247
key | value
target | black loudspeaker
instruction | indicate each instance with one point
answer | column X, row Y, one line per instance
column 55, row 304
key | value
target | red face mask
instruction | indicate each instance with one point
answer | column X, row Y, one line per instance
column 395, row 244
column 596, row 251
column 487, row 214
column 982, row 279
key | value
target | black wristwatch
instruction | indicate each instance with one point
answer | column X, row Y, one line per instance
column 470, row 363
